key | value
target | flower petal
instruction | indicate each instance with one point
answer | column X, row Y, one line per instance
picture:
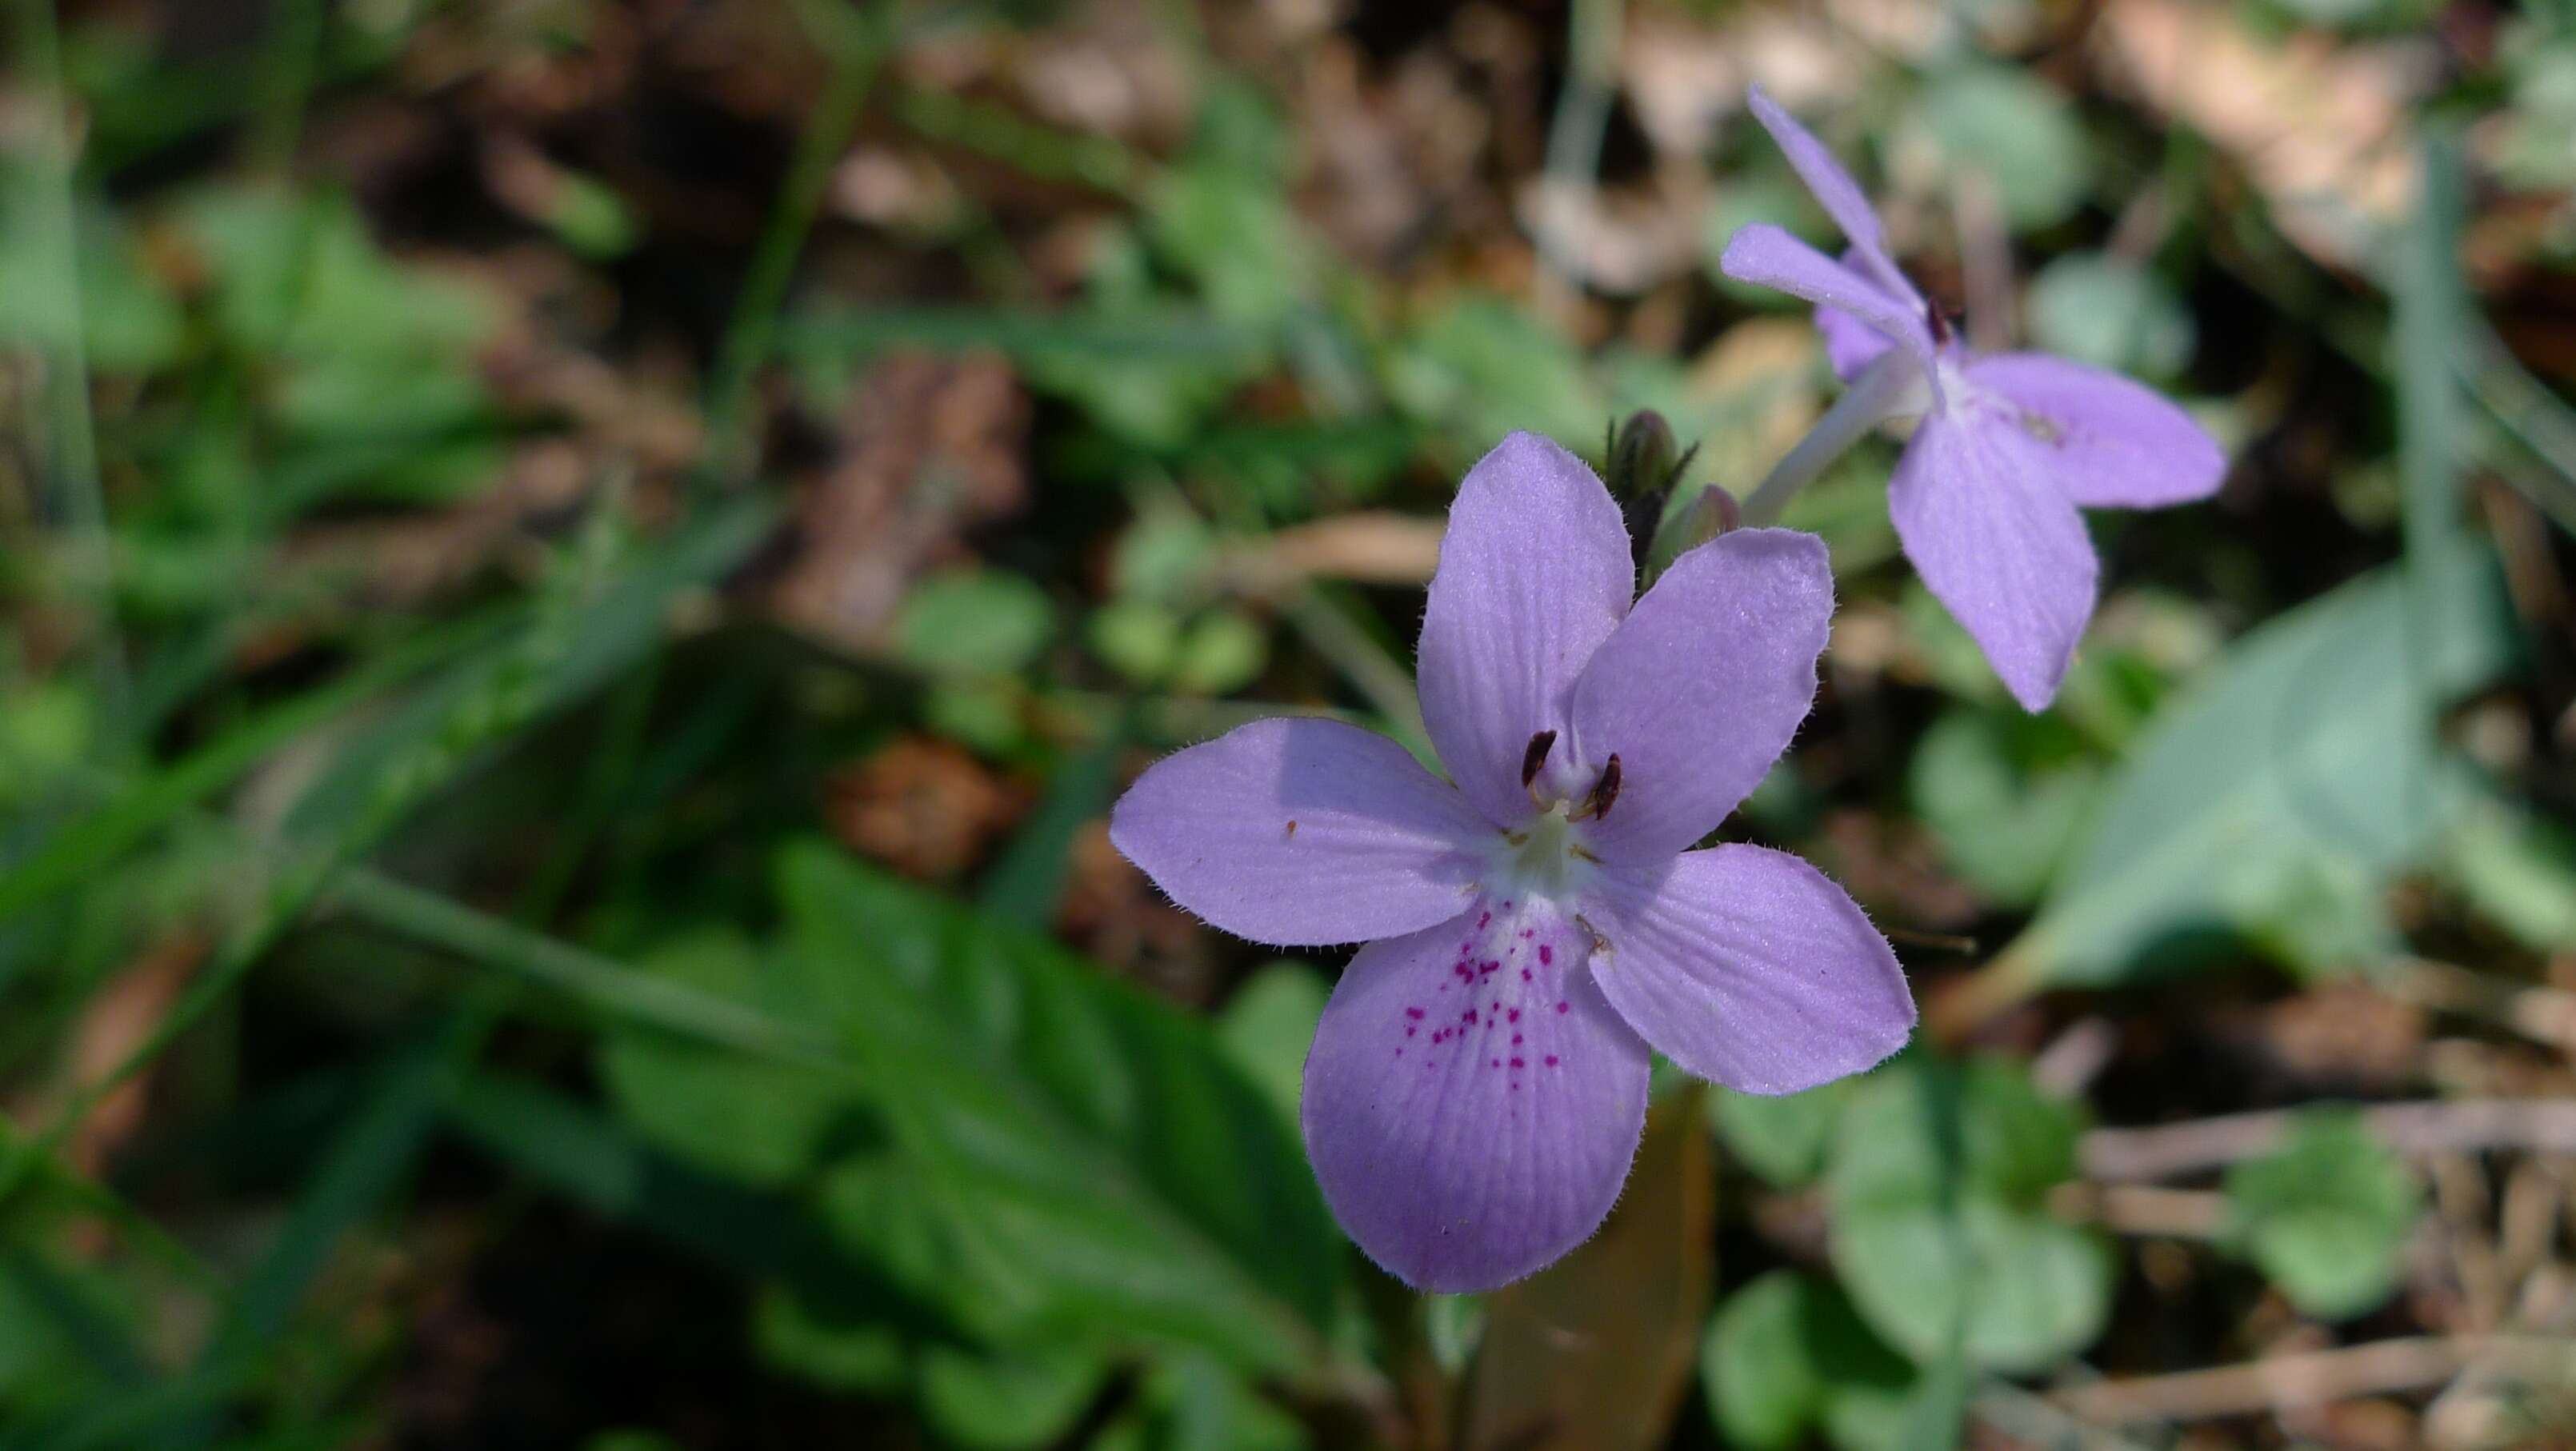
column 1702, row 687
column 2105, row 441
column 1837, row 193
column 1534, row 574
column 1998, row 545
column 1850, row 344
column 1750, row 967
column 1301, row 831
column 1768, row 256
column 1471, row 1103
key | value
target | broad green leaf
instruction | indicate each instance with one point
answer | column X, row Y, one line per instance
column 2012, row 130
column 2111, row 312
column 2305, row 760
column 1763, row 1383
column 2006, row 793
column 2519, row 869
column 1937, row 1189
column 863, row 1357
column 742, row 1116
column 604, row 1166
column 1781, row 1139
column 976, row 622
column 1268, row 1025
column 1001, row 1402
column 1085, row 1141
column 2326, row 1216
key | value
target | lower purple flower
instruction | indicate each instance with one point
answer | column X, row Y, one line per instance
column 1477, row 1084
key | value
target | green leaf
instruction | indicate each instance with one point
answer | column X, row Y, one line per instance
column 2307, row 761
column 1783, row 1139
column 1006, row 1401
column 1785, row 1350
column 1268, row 1025
column 610, row 1170
column 1223, row 652
column 742, row 1116
column 2006, row 793
column 2519, row 869
column 1937, row 1189
column 2013, row 130
column 1083, row 1140
column 2111, row 312
column 976, row 622
column 2326, row 1216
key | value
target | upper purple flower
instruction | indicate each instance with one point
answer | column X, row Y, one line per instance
column 1985, row 495
column 1478, row 1082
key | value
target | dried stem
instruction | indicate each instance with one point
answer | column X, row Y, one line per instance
column 2448, row 1125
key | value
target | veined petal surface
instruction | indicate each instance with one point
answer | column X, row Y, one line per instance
column 1303, row 832
column 2103, row 440
column 1472, row 1104
column 1534, row 574
column 1998, row 544
column 1703, row 686
column 1749, row 967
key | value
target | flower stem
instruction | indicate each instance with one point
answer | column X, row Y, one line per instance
column 1869, row 401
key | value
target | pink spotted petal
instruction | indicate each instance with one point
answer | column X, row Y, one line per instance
column 1838, row 194
column 1302, row 832
column 1702, row 687
column 1769, row 256
column 2102, row 440
column 1471, row 1103
column 1534, row 573
column 1750, row 967
column 1998, row 544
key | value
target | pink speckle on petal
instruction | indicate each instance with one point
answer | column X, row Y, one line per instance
column 1414, row 1013
column 1551, row 1060
column 1516, row 1063
column 1560, row 1005
column 1516, row 1015
column 1546, row 954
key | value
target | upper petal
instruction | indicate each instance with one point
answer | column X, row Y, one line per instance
column 1836, row 192
column 1702, row 687
column 2104, row 440
column 1302, row 831
column 1534, row 574
column 1850, row 344
column 1998, row 545
column 1471, row 1103
column 1750, row 967
column 1769, row 256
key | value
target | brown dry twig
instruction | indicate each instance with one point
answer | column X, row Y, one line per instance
column 2454, row 1125
column 2314, row 1378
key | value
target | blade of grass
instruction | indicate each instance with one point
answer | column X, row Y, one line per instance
column 2430, row 336
column 58, row 410
column 597, row 982
column 856, row 42
column 80, row 851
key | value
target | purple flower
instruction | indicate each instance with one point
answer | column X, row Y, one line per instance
column 1478, row 1082
column 1985, row 495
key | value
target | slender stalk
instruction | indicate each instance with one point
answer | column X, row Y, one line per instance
column 1868, row 402
column 856, row 47
column 58, row 411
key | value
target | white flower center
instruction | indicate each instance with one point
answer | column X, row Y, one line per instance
column 1544, row 858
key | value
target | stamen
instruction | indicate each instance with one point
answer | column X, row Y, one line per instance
column 1940, row 322
column 1535, row 756
column 1604, row 791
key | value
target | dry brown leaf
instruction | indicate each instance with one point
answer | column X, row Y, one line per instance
column 929, row 447
column 923, row 807
column 2320, row 126
column 1593, row 1353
